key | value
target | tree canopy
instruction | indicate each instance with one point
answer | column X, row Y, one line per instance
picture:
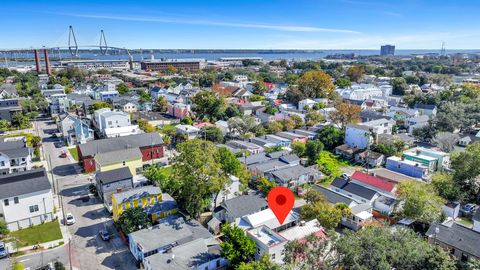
column 312, row 84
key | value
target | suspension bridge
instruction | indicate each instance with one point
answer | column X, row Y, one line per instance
column 72, row 50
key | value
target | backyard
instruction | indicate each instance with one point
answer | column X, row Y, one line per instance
column 46, row 232
column 74, row 153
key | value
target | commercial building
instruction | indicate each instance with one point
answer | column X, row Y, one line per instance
column 387, row 50
column 162, row 65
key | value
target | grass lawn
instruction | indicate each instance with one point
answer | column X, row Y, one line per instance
column 74, row 153
column 465, row 222
column 45, row 232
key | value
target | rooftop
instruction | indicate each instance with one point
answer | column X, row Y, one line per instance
column 118, row 156
column 266, row 236
column 245, row 205
column 136, row 193
column 373, row 181
column 172, row 230
column 22, row 183
column 456, row 235
column 303, row 230
column 112, row 144
column 114, row 175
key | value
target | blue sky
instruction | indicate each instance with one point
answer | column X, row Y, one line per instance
column 246, row 24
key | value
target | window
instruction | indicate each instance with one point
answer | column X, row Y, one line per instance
column 273, row 256
column 140, row 202
column 131, row 205
column 33, row 208
column 109, row 122
column 15, row 200
column 218, row 263
column 2, row 163
column 123, row 163
column 6, row 202
column 124, row 207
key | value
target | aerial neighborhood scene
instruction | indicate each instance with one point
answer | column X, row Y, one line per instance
column 240, row 135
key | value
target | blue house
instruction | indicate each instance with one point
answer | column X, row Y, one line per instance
column 108, row 95
column 407, row 167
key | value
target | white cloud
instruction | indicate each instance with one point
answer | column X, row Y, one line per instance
column 285, row 28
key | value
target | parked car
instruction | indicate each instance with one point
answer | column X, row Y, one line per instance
column 104, row 235
column 468, row 209
column 63, row 155
column 3, row 250
column 69, row 219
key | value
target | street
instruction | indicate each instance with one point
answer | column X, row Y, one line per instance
column 87, row 250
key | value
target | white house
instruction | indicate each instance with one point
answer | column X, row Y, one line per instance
column 380, row 126
column 360, row 92
column 190, row 131
column 268, row 242
column 15, row 156
column 306, row 103
column 114, row 124
column 25, row 199
column 358, row 136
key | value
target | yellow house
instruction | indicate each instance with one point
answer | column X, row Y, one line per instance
column 129, row 157
column 150, row 198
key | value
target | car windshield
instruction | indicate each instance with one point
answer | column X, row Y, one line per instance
column 69, row 217
column 2, row 249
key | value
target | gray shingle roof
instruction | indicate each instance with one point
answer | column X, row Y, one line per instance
column 245, row 205
column 291, row 173
column 360, row 191
column 187, row 256
column 171, row 230
column 9, row 88
column 332, row 196
column 339, row 182
column 457, row 236
column 136, row 193
column 21, row 183
column 17, row 153
column 114, row 175
column 108, row 145
column 118, row 156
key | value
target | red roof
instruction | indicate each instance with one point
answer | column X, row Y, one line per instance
column 373, row 181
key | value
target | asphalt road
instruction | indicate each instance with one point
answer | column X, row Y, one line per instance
column 86, row 251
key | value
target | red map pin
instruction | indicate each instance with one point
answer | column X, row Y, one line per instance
column 281, row 200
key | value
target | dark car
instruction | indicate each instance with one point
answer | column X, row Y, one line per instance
column 104, row 235
column 63, row 155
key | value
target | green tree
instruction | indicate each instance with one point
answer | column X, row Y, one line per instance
column 197, row 175
column 312, row 118
column 399, row 86
column 122, row 88
column 313, row 148
column 312, row 84
column 274, row 127
column 100, row 105
column 356, row 72
column 20, row 120
column 380, row 247
column 329, row 216
column 208, row 106
column 212, row 133
column 187, row 120
column 343, row 82
column 259, row 88
column 466, row 167
column 298, row 148
column 418, row 201
column 161, row 176
column 229, row 162
column 161, row 104
column 145, row 126
column 133, row 219
column 297, row 120
column 331, row 137
column 3, row 229
column 4, row 125
column 59, row 266
column 265, row 185
column 263, row 264
column 237, row 247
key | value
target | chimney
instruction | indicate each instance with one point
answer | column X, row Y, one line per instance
column 37, row 62
column 47, row 63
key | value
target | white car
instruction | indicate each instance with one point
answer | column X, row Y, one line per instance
column 69, row 219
